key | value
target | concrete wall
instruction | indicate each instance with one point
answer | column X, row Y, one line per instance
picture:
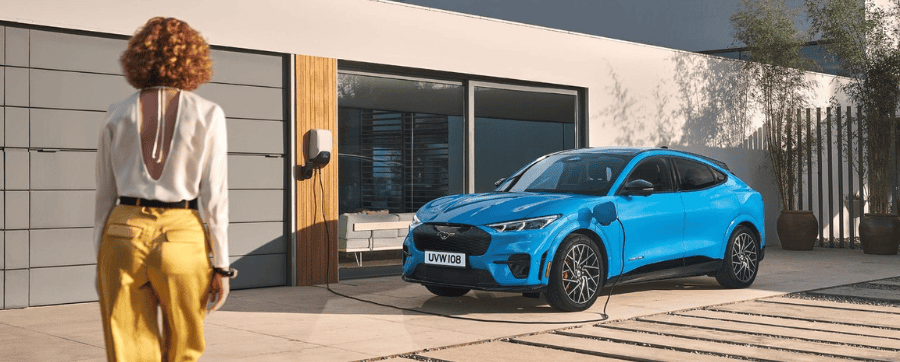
column 638, row 95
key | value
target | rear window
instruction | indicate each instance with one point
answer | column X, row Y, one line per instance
column 694, row 175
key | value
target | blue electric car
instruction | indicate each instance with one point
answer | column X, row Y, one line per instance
column 572, row 221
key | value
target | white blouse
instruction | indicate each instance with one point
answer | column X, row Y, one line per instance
column 196, row 165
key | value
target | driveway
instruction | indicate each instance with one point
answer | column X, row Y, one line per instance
column 857, row 322
column 312, row 324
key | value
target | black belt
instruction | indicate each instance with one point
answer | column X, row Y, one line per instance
column 184, row 204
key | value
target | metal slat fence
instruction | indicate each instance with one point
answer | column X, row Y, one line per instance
column 834, row 143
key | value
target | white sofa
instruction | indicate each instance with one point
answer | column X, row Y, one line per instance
column 359, row 233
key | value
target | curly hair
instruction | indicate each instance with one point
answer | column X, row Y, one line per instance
column 167, row 52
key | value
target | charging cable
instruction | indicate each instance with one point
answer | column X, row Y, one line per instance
column 621, row 269
column 318, row 175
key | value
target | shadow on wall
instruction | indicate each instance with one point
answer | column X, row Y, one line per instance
column 714, row 101
column 628, row 117
column 712, row 106
column 711, row 103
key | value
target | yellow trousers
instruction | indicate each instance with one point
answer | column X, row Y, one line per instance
column 153, row 259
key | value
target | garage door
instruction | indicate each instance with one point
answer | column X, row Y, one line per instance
column 57, row 86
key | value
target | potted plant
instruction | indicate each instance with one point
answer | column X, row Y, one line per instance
column 863, row 37
column 775, row 76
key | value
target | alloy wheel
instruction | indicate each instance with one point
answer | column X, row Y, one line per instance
column 581, row 273
column 744, row 258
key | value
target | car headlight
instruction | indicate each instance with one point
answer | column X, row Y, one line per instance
column 415, row 222
column 526, row 224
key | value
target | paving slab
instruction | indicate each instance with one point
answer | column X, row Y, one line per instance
column 494, row 351
column 75, row 322
column 718, row 336
column 866, row 293
column 893, row 283
column 224, row 343
column 311, row 323
column 485, row 330
column 752, row 350
column 408, row 341
column 853, row 317
column 833, row 304
column 774, row 331
column 322, row 353
column 20, row 344
column 609, row 349
column 794, row 323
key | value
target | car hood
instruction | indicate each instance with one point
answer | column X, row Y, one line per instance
column 482, row 209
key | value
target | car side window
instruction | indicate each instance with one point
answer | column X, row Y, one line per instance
column 720, row 177
column 695, row 175
column 654, row 170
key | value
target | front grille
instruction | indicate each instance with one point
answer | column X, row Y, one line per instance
column 452, row 238
column 454, row 276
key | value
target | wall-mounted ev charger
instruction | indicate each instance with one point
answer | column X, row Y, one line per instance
column 318, row 152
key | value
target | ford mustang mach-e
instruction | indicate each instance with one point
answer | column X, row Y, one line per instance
column 572, row 221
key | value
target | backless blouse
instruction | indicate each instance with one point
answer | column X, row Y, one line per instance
column 195, row 166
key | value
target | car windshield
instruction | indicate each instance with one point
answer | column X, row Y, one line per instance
column 586, row 174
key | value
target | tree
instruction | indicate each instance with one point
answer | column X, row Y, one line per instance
column 775, row 76
column 863, row 37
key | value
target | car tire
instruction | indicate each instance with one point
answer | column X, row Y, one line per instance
column 576, row 275
column 447, row 291
column 741, row 263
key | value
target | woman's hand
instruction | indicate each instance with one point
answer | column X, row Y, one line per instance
column 218, row 291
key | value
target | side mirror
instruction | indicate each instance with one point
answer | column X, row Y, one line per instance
column 605, row 213
column 639, row 187
column 500, row 181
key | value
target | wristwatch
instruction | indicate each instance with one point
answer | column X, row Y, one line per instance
column 230, row 272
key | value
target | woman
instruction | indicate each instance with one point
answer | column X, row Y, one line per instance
column 160, row 150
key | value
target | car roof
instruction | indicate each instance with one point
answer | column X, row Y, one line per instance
column 634, row 151
column 624, row 151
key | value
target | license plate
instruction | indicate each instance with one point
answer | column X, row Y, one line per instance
column 445, row 258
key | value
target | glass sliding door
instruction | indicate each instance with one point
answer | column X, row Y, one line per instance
column 399, row 142
column 404, row 141
column 400, row 145
column 513, row 125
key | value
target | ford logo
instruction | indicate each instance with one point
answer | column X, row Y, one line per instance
column 444, row 235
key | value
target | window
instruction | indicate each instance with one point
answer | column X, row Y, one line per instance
column 586, row 174
column 654, row 170
column 404, row 141
column 825, row 61
column 720, row 177
column 695, row 176
column 515, row 125
column 400, row 142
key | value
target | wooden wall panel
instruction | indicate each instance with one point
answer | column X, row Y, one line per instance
column 316, row 109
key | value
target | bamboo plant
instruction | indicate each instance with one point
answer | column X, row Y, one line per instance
column 863, row 37
column 777, row 83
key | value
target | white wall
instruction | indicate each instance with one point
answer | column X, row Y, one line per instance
column 638, row 95
column 640, row 83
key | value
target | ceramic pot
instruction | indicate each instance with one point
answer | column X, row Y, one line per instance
column 797, row 230
column 879, row 233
